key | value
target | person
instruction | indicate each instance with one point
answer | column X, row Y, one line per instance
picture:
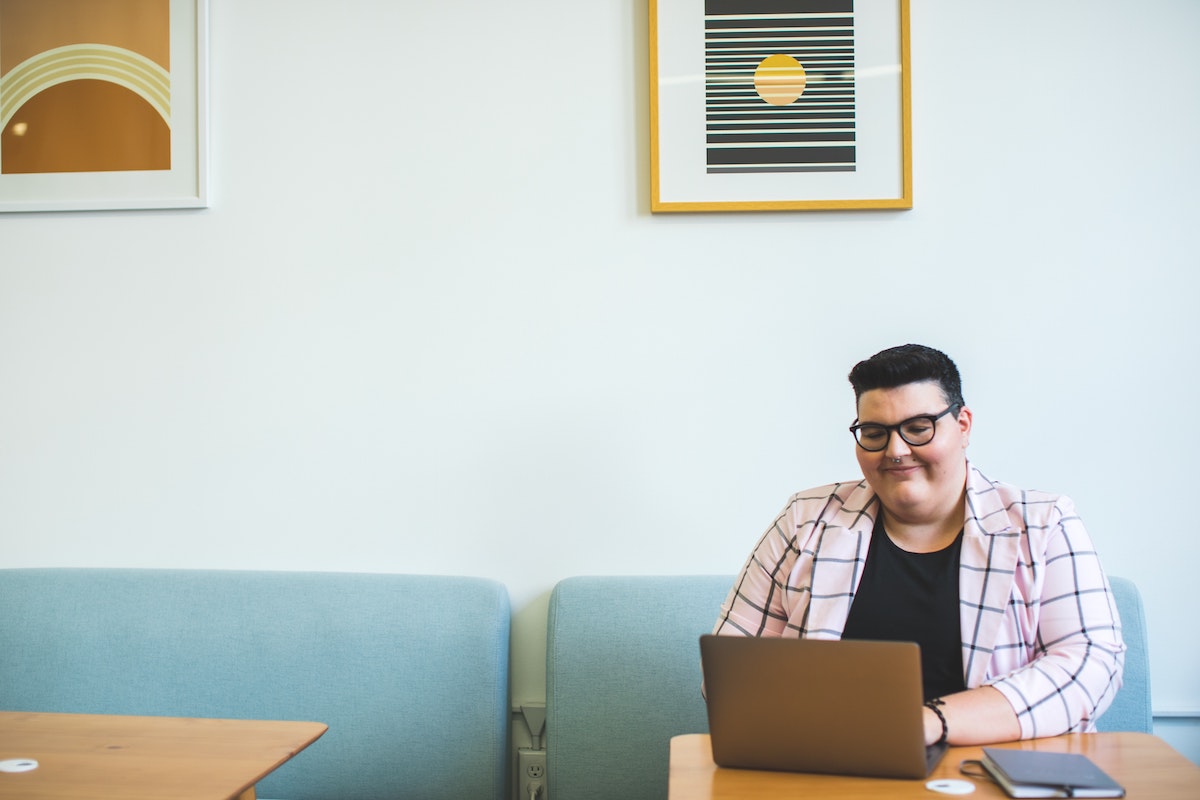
column 1001, row 587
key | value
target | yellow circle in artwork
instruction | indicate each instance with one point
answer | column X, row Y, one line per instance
column 780, row 79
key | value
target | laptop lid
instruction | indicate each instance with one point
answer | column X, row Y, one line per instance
column 804, row 705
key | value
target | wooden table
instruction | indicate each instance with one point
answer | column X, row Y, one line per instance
column 100, row 757
column 1147, row 766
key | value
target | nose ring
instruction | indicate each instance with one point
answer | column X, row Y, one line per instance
column 895, row 461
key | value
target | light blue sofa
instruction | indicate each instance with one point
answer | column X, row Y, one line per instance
column 409, row 672
column 1131, row 710
column 623, row 677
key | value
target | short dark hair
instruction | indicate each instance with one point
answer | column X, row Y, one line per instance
column 907, row 363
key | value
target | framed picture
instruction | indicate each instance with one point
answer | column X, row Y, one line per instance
column 103, row 104
column 760, row 105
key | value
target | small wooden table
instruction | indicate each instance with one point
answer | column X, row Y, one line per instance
column 101, row 757
column 1145, row 765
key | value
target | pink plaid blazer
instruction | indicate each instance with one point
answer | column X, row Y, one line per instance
column 1039, row 622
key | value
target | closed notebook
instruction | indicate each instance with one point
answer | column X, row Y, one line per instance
column 1026, row 773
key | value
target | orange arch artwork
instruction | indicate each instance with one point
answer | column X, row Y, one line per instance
column 85, row 85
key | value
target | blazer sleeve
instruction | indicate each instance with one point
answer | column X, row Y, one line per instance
column 1077, row 650
column 755, row 604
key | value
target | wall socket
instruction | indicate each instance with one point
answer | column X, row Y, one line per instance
column 531, row 770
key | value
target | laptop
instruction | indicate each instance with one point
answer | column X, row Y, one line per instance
column 805, row 705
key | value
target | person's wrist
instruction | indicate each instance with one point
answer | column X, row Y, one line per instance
column 933, row 726
column 936, row 729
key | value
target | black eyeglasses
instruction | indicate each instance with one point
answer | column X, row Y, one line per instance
column 873, row 437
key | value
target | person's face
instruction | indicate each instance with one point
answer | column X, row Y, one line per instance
column 915, row 482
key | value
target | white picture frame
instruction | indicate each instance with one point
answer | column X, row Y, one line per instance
column 183, row 185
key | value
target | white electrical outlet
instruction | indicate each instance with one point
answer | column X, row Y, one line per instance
column 531, row 774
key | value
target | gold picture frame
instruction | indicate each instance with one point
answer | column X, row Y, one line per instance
column 776, row 105
column 103, row 105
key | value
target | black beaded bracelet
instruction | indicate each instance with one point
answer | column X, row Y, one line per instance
column 932, row 705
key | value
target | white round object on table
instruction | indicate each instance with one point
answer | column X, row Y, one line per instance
column 950, row 786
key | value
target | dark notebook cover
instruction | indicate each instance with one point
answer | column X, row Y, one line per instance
column 1026, row 773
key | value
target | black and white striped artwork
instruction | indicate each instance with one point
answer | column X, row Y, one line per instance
column 779, row 86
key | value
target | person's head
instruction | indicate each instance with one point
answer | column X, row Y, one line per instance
column 912, row 430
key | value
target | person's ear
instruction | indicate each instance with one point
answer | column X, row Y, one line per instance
column 965, row 419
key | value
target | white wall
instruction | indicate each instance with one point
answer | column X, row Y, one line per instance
column 429, row 325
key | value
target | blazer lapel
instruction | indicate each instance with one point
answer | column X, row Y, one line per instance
column 989, row 557
column 840, row 550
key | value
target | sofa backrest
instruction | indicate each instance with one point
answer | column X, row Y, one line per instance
column 409, row 672
column 622, row 678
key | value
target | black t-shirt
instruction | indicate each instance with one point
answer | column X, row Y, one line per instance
column 912, row 597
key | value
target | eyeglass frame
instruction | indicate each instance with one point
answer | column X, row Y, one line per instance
column 898, row 428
